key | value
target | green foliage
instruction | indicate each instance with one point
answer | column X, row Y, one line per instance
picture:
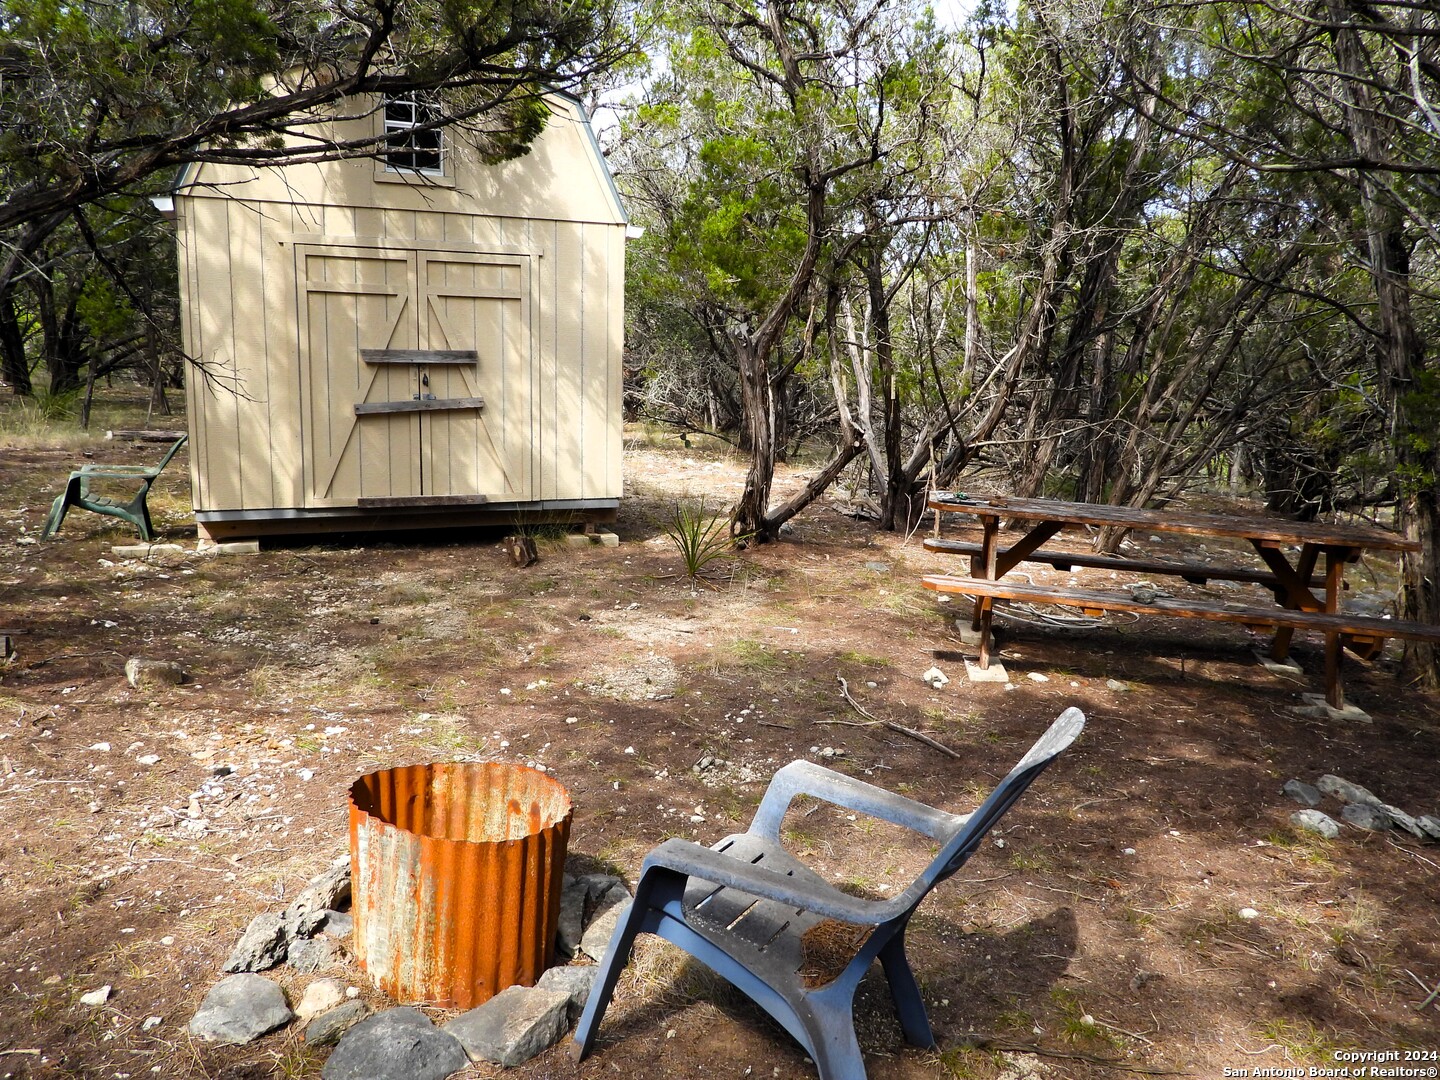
column 699, row 536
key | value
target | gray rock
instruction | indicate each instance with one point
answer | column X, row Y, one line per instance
column 1366, row 816
column 1345, row 791
column 1316, row 822
column 598, row 933
column 261, row 946
column 309, row 955
column 605, row 893
column 571, row 926
column 140, row 672
column 337, row 924
column 878, row 567
column 397, row 1044
column 326, row 1029
column 303, row 925
column 1430, row 824
column 1303, row 793
column 1404, row 821
column 575, row 981
column 1117, row 686
column 329, row 891
column 240, row 1009
column 513, row 1026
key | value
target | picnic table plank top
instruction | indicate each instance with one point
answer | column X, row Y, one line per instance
column 1274, row 529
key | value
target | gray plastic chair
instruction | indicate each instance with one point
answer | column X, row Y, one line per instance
column 743, row 907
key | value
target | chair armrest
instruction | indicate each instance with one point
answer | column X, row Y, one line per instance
column 119, row 472
column 691, row 860
column 807, row 778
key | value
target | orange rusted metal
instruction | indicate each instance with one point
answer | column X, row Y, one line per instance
column 455, row 870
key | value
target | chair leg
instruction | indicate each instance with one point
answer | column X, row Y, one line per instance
column 616, row 957
column 58, row 510
column 835, row 1048
column 905, row 992
column 140, row 515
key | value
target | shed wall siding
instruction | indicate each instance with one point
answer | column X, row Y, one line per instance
column 562, row 423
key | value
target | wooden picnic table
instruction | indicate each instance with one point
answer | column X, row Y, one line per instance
column 1291, row 578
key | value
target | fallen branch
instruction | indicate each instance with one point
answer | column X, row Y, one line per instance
column 901, row 728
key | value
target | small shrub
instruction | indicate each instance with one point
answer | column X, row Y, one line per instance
column 699, row 536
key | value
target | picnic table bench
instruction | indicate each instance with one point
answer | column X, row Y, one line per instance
column 1292, row 582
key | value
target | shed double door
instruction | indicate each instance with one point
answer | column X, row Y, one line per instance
column 416, row 376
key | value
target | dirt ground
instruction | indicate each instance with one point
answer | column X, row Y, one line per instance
column 1104, row 937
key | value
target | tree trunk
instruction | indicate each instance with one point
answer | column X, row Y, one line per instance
column 14, row 366
column 1408, row 387
column 756, row 398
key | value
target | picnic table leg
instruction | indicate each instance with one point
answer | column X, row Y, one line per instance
column 1295, row 581
column 990, row 526
column 1334, row 577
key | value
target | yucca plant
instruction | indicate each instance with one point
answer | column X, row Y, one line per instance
column 700, row 536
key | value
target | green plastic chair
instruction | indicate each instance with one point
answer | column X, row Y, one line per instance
column 136, row 511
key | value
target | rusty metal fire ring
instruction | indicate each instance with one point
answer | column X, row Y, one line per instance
column 456, row 874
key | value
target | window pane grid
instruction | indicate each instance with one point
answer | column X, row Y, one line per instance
column 409, row 149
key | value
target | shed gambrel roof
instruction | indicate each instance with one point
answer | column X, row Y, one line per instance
column 564, row 177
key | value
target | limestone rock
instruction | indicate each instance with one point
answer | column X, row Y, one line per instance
column 1430, row 824
column 329, row 891
column 601, row 928
column 1366, row 816
column 261, row 946
column 96, row 997
column 1303, row 793
column 240, row 1009
column 140, row 673
column 320, row 996
column 513, row 1026
column 1345, row 791
column 397, row 1044
column 337, row 924
column 1317, row 822
column 575, row 981
column 326, row 1029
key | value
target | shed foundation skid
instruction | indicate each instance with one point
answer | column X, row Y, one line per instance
column 216, row 528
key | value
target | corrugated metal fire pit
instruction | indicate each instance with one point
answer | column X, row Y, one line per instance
column 456, row 869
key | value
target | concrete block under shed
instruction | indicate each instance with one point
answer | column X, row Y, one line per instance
column 581, row 540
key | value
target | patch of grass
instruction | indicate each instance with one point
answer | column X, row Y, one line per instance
column 1307, row 847
column 750, row 655
column 294, row 1060
column 1077, row 1025
column 453, row 736
column 964, row 1063
column 1300, row 1039
column 860, row 659
column 1015, row 1019
column 1031, row 859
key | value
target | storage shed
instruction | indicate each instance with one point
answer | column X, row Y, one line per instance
column 413, row 342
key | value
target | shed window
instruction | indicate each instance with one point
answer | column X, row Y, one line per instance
column 409, row 146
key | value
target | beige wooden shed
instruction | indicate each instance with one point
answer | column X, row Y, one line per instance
column 417, row 342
